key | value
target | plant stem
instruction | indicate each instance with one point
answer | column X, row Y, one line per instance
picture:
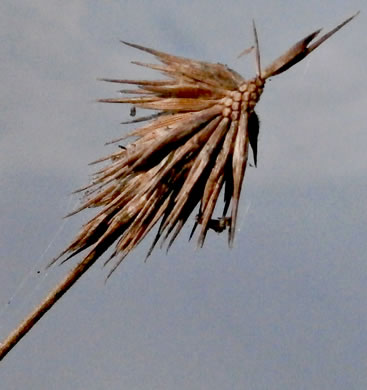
column 26, row 325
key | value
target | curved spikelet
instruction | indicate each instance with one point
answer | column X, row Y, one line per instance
column 194, row 145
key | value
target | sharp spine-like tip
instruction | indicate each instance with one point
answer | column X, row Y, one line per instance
column 257, row 49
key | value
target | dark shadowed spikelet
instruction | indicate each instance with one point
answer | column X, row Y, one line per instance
column 184, row 155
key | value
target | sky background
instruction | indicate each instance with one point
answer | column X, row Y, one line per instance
column 286, row 308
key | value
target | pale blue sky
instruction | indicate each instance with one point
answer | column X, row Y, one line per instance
column 286, row 308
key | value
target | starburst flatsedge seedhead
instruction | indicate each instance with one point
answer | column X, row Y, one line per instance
column 195, row 145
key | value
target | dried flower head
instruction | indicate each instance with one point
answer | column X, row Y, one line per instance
column 195, row 146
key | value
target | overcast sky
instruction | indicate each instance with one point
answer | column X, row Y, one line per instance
column 287, row 307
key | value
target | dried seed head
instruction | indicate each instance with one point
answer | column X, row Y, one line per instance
column 183, row 156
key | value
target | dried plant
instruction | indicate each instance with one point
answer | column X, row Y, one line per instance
column 184, row 155
column 197, row 144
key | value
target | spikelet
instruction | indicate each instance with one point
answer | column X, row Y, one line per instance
column 193, row 147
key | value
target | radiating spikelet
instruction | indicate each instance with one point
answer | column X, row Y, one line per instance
column 195, row 146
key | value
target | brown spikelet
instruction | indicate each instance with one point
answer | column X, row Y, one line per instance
column 196, row 145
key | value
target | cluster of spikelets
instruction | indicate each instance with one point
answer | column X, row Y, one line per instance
column 195, row 146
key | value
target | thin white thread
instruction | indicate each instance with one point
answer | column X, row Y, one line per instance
column 242, row 215
column 307, row 66
column 34, row 270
